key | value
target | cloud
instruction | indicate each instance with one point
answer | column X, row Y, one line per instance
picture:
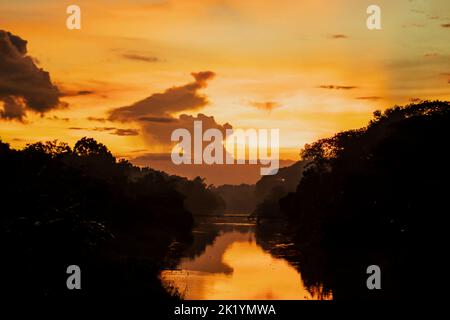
column 157, row 119
column 85, row 92
column 371, row 98
column 445, row 25
column 125, row 132
column 331, row 87
column 172, row 100
column 111, row 130
column 56, row 118
column 74, row 93
column 12, row 108
column 139, row 57
column 268, row 105
column 23, row 85
column 160, row 132
column 339, row 36
column 155, row 114
column 97, row 119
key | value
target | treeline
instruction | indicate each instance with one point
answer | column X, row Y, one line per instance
column 62, row 206
column 376, row 196
column 270, row 189
column 261, row 198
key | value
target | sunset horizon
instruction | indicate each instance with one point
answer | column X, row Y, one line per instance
column 310, row 82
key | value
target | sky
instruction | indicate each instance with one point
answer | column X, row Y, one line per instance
column 138, row 69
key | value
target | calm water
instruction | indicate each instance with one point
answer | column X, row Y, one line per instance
column 225, row 262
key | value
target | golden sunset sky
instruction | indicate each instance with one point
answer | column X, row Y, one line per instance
column 308, row 67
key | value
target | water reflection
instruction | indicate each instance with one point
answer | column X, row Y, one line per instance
column 234, row 266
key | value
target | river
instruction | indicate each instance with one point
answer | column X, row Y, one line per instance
column 226, row 262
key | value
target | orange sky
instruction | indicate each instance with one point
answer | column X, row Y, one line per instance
column 290, row 55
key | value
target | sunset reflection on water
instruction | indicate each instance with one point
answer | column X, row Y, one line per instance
column 235, row 267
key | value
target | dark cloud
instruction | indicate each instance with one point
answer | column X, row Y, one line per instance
column 85, row 92
column 157, row 119
column 125, row 132
column 445, row 25
column 97, row 119
column 23, row 85
column 339, row 36
column 111, row 130
column 331, row 87
column 172, row 100
column 74, row 93
column 58, row 118
column 139, row 57
column 12, row 108
column 371, row 98
column 267, row 105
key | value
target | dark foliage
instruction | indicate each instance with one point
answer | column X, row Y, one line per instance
column 237, row 198
column 63, row 206
column 377, row 195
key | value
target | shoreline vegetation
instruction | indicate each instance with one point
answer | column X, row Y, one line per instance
column 64, row 206
column 373, row 196
column 369, row 196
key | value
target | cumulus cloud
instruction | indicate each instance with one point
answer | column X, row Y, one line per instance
column 161, row 131
column 23, row 85
column 155, row 114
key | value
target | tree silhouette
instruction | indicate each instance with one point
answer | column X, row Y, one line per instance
column 375, row 195
column 63, row 206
